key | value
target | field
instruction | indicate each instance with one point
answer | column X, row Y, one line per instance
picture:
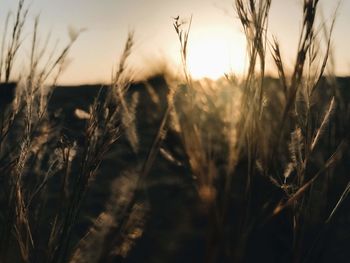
column 249, row 168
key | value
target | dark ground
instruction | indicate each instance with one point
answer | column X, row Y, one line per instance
column 176, row 227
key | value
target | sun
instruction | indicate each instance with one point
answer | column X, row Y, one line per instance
column 212, row 53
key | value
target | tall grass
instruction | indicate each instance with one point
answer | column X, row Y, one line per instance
column 260, row 154
column 272, row 143
column 44, row 175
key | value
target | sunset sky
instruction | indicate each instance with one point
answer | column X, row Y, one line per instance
column 216, row 40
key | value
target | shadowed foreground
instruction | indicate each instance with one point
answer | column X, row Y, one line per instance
column 171, row 223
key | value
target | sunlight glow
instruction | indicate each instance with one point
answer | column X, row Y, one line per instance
column 214, row 54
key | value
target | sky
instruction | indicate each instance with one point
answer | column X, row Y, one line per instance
column 217, row 44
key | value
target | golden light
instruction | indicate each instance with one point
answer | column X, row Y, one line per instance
column 212, row 53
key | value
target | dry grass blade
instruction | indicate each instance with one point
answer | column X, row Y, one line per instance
column 342, row 198
column 302, row 190
column 276, row 55
column 183, row 35
column 16, row 40
column 323, row 125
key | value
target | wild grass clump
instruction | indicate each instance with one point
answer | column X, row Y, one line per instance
column 45, row 175
column 26, row 133
column 271, row 138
